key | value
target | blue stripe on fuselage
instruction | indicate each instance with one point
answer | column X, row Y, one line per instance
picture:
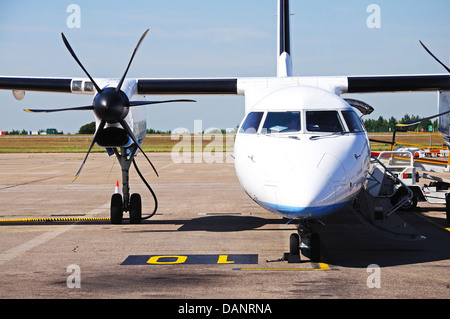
column 303, row 212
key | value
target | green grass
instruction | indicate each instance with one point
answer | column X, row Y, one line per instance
column 80, row 144
column 162, row 143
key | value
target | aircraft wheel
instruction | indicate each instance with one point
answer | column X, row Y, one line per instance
column 135, row 209
column 447, row 208
column 116, row 209
column 294, row 245
column 315, row 248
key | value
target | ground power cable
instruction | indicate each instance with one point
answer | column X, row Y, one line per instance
column 150, row 189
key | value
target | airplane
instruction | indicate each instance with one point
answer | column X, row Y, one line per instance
column 301, row 150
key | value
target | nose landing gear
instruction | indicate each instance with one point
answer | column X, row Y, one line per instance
column 305, row 242
column 126, row 203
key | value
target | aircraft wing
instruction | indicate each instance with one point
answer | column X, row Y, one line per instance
column 57, row 85
column 213, row 86
column 339, row 84
column 237, row 86
column 398, row 83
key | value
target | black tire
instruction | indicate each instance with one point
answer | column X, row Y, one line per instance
column 294, row 245
column 116, row 209
column 135, row 209
column 315, row 248
column 447, row 208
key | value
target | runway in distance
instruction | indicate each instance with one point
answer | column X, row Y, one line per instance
column 301, row 150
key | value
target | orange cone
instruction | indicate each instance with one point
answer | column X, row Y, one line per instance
column 117, row 190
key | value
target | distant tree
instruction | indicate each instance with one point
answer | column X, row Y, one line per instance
column 13, row 132
column 417, row 127
column 382, row 125
column 87, row 128
column 153, row 131
column 369, row 125
column 405, row 118
column 392, row 123
column 424, row 125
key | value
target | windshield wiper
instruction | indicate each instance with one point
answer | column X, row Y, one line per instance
column 328, row 135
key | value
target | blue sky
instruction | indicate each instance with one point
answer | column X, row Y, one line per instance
column 200, row 38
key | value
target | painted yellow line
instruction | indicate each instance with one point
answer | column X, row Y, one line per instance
column 431, row 161
column 424, row 133
column 324, row 266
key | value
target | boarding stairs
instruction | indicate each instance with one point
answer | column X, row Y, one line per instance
column 374, row 208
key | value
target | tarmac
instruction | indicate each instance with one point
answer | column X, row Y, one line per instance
column 208, row 239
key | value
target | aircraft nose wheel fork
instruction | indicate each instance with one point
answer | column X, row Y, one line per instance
column 304, row 241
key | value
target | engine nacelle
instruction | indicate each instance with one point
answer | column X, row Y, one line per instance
column 113, row 137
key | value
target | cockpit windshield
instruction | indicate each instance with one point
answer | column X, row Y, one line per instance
column 323, row 121
column 281, row 122
column 353, row 122
column 251, row 123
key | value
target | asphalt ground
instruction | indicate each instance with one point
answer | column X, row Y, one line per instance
column 208, row 239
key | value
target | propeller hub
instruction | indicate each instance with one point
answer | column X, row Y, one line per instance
column 111, row 106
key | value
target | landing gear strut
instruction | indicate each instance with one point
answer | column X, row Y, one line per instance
column 126, row 203
column 304, row 241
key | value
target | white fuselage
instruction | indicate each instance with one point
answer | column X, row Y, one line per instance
column 310, row 170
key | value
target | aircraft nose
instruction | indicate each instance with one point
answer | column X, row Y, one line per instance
column 315, row 188
column 315, row 198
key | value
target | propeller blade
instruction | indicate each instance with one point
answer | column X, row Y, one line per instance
column 90, row 107
column 138, row 103
column 131, row 60
column 101, row 126
column 421, row 120
column 429, row 52
column 131, row 134
column 79, row 63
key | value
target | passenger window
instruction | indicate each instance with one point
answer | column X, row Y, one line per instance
column 353, row 122
column 251, row 123
column 323, row 121
column 281, row 122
